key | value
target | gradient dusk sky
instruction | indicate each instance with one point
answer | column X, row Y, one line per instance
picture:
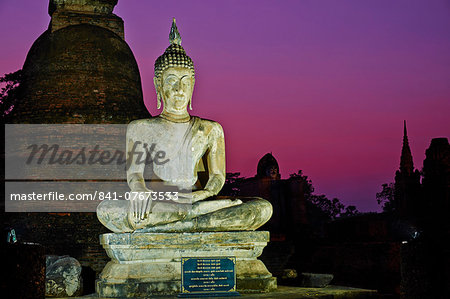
column 323, row 85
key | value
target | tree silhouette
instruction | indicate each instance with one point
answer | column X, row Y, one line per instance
column 386, row 197
column 10, row 93
column 231, row 186
column 350, row 211
column 308, row 188
column 332, row 209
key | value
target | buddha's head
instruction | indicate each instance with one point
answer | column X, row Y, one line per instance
column 174, row 76
column 268, row 167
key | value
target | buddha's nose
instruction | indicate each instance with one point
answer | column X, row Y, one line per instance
column 177, row 86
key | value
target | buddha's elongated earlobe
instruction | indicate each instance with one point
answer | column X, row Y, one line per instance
column 158, row 93
column 192, row 93
column 158, row 101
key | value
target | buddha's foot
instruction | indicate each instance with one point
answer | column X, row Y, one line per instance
column 229, row 215
column 244, row 216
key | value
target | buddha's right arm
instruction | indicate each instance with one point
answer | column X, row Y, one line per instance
column 138, row 209
column 136, row 182
column 136, row 156
column 140, row 204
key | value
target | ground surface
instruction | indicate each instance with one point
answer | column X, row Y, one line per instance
column 329, row 292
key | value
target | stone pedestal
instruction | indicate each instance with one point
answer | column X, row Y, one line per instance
column 143, row 264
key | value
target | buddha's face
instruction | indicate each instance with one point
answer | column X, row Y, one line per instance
column 272, row 172
column 176, row 87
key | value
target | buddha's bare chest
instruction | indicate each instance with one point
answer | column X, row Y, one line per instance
column 176, row 140
column 182, row 146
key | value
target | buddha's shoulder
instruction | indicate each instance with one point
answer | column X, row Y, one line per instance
column 208, row 125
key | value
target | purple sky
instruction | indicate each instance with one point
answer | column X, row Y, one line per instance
column 323, row 85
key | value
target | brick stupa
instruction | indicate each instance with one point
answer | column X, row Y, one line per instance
column 81, row 70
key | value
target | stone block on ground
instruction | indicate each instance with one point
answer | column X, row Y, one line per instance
column 62, row 276
column 315, row 280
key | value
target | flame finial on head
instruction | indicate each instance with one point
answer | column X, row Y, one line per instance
column 174, row 36
column 174, row 55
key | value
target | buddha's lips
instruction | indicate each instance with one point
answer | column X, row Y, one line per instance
column 180, row 101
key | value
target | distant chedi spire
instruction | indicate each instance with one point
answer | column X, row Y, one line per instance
column 406, row 160
column 407, row 183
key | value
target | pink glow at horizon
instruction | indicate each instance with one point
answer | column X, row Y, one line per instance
column 323, row 85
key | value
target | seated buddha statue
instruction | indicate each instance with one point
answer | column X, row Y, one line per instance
column 185, row 146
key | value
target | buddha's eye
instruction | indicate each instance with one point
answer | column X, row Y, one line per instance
column 171, row 80
column 185, row 80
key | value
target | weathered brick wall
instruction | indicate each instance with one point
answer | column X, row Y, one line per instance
column 94, row 12
column 61, row 19
column 74, row 234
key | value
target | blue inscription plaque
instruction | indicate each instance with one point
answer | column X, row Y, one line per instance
column 208, row 277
